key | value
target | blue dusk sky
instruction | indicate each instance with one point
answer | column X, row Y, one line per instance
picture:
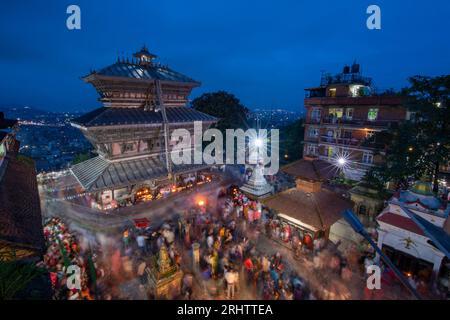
column 265, row 52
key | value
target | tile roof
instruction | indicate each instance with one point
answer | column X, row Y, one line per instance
column 20, row 211
column 401, row 222
column 310, row 169
column 143, row 71
column 318, row 209
column 106, row 116
column 419, row 225
column 98, row 173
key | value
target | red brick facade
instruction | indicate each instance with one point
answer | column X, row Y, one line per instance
column 339, row 119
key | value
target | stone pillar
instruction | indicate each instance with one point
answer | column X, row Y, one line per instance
column 196, row 255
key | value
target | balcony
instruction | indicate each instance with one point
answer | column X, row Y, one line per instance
column 314, row 121
column 352, row 143
column 349, row 101
column 340, row 141
column 355, row 123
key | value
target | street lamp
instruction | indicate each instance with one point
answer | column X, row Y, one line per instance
column 258, row 142
column 341, row 161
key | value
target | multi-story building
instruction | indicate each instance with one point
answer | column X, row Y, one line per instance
column 143, row 102
column 341, row 114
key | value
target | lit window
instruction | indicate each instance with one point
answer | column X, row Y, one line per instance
column 356, row 90
column 315, row 114
column 336, row 112
column 330, row 152
column 372, row 115
column 312, row 150
column 367, row 158
column 313, row 133
column 332, row 92
column 349, row 113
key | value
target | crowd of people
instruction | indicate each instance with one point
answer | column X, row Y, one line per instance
column 70, row 267
column 230, row 261
column 229, row 256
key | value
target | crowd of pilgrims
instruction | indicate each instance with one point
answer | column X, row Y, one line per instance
column 64, row 250
column 226, row 235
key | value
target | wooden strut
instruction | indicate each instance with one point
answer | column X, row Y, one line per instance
column 165, row 125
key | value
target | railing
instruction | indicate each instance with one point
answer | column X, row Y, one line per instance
column 348, row 100
column 351, row 142
column 342, row 141
column 348, row 78
column 358, row 123
column 314, row 121
column 353, row 163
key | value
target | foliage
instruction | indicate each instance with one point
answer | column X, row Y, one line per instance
column 15, row 277
column 81, row 157
column 291, row 137
column 374, row 180
column 419, row 146
column 225, row 106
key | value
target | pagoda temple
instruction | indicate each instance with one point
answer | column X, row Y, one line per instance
column 143, row 102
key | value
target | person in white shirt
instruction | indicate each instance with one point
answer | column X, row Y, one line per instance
column 210, row 241
column 141, row 242
column 230, row 278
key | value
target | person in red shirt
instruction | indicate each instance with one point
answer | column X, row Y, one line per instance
column 248, row 264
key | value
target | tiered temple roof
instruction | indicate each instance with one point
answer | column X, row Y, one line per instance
column 105, row 116
column 143, row 101
column 142, row 72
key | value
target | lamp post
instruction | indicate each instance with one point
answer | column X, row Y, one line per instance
column 359, row 228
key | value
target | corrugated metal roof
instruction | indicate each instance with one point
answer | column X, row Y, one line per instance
column 105, row 116
column 144, row 72
column 98, row 173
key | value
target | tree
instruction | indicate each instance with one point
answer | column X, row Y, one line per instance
column 429, row 98
column 81, row 157
column 225, row 106
column 291, row 137
column 417, row 148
